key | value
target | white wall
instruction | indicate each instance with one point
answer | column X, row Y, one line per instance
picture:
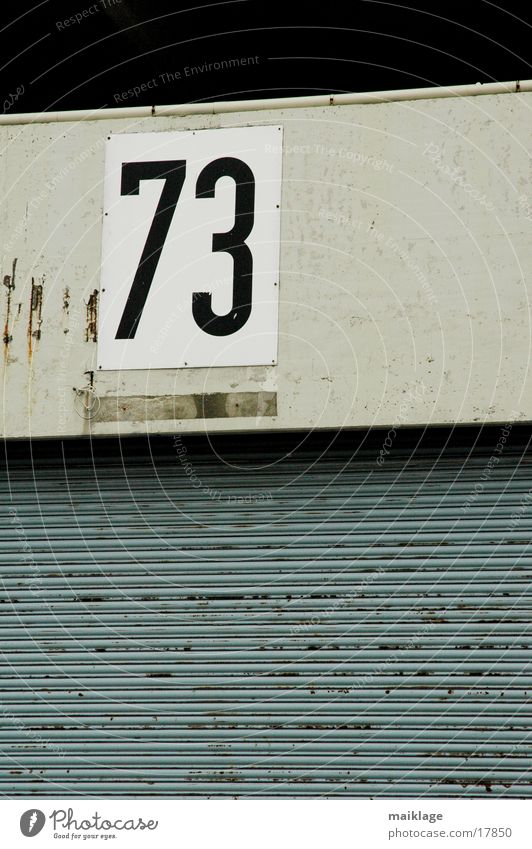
column 404, row 290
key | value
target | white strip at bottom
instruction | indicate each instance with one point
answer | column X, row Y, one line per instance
column 266, row 824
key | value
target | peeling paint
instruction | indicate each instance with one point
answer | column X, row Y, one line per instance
column 65, row 311
column 9, row 283
column 35, row 316
column 91, row 329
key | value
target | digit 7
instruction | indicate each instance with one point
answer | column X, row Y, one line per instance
column 172, row 171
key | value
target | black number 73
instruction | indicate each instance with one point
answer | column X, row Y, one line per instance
column 173, row 171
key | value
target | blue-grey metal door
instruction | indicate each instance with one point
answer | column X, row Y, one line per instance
column 311, row 621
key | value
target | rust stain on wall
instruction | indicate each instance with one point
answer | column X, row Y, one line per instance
column 9, row 283
column 91, row 329
column 65, row 314
column 35, row 316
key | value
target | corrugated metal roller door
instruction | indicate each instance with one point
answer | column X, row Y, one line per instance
column 310, row 624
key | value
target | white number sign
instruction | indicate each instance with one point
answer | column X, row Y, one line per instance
column 190, row 253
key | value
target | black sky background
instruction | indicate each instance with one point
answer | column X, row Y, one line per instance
column 300, row 49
